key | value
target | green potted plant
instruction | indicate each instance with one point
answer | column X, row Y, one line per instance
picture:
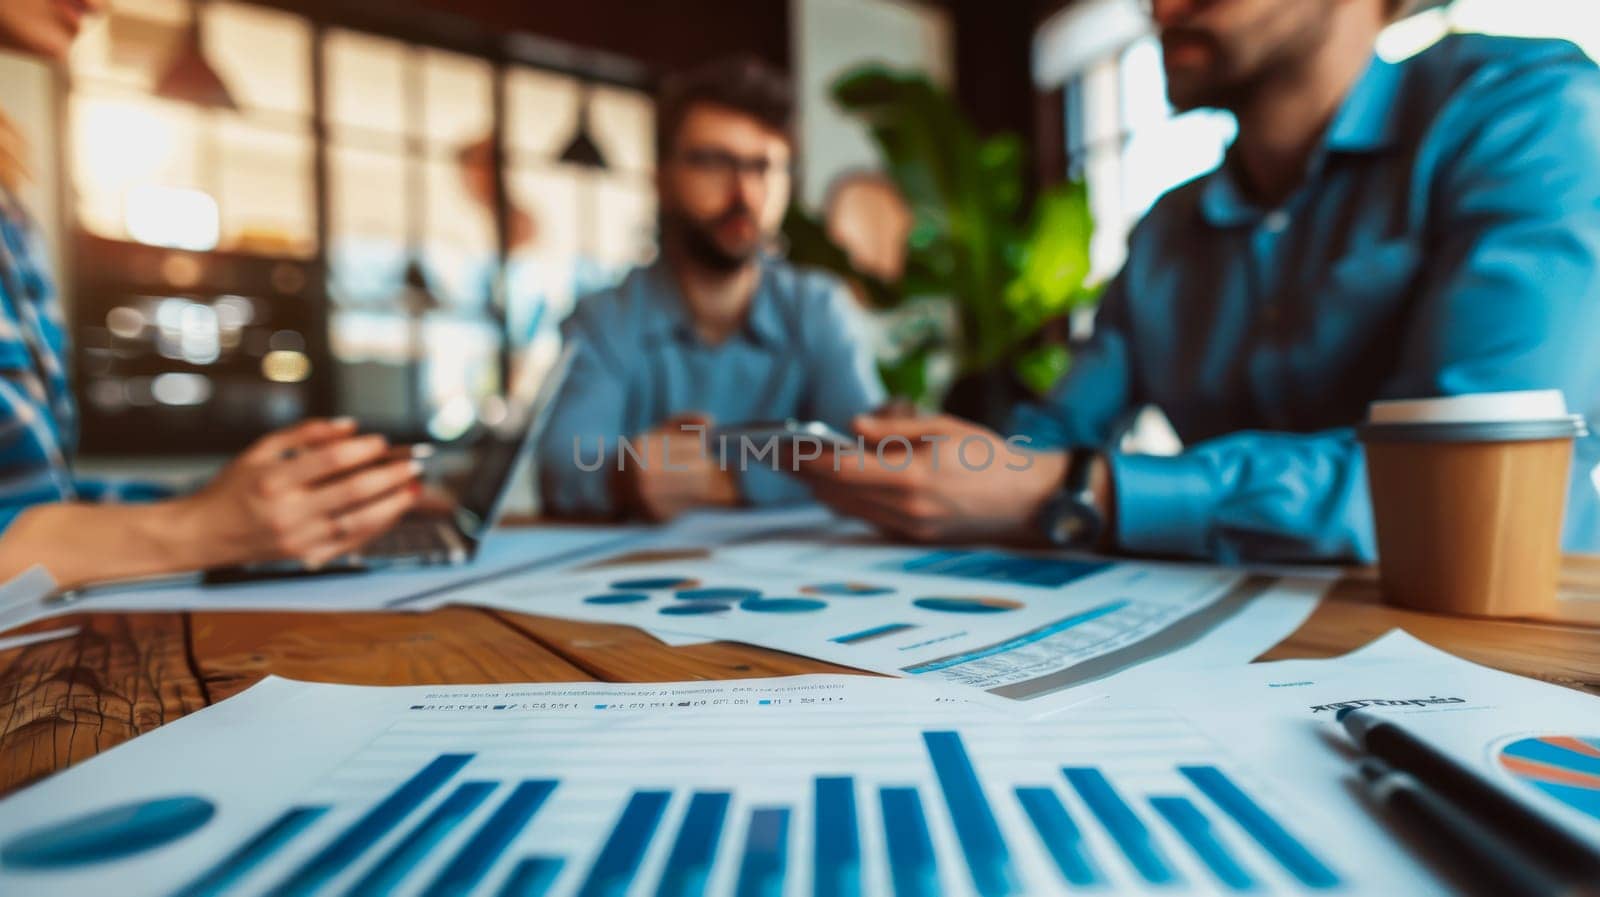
column 1012, row 270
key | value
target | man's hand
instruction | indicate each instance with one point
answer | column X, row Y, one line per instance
column 679, row 472
column 312, row 492
column 937, row 479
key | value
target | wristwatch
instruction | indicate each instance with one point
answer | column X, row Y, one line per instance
column 1071, row 519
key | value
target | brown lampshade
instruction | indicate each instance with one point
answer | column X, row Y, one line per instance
column 191, row 79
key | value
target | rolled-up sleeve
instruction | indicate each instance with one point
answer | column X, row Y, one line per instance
column 1248, row 496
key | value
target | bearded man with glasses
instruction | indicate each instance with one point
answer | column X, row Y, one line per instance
column 717, row 331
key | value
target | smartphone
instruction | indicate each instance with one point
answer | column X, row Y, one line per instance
column 788, row 433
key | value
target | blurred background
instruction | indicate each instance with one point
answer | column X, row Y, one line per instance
column 263, row 210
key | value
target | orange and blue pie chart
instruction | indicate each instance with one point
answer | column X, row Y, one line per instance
column 695, row 608
column 617, row 598
column 967, row 604
column 1565, row 767
column 782, row 605
column 718, row 594
column 655, row 582
column 846, row 590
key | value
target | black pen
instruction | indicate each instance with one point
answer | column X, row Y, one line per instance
column 1527, row 828
column 1486, row 861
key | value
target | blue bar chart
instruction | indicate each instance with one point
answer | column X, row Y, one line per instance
column 689, row 864
column 914, row 870
column 940, row 817
column 403, row 857
column 762, row 867
column 985, row 848
column 838, row 850
column 619, row 859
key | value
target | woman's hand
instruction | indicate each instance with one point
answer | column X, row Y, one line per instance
column 312, row 492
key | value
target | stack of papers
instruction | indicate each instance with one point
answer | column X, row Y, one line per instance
column 1217, row 782
column 1056, row 723
column 504, row 552
column 1032, row 631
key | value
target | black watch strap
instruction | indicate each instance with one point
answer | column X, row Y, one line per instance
column 1070, row 518
column 1080, row 467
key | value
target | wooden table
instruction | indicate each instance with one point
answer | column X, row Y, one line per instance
column 124, row 674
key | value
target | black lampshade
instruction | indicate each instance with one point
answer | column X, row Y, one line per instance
column 419, row 296
column 582, row 150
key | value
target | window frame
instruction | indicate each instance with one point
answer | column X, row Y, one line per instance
column 420, row 30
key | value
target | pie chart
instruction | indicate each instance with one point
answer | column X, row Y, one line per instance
column 694, row 608
column 617, row 598
column 846, row 589
column 720, row 594
column 781, row 605
column 1565, row 767
column 655, row 582
column 967, row 604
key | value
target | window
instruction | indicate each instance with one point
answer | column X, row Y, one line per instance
column 1131, row 147
column 1126, row 141
column 575, row 228
column 412, row 253
column 413, row 248
column 423, row 318
column 159, row 171
column 190, row 129
column 1573, row 20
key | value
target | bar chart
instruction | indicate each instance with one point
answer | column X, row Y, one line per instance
column 459, row 803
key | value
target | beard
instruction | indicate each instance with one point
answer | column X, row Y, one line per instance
column 1216, row 84
column 698, row 238
column 1237, row 63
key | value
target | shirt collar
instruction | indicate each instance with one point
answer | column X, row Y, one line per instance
column 669, row 317
column 1364, row 123
column 1222, row 204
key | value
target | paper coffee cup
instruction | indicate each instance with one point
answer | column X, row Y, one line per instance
column 1468, row 495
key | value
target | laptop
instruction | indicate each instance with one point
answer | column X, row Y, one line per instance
column 445, row 537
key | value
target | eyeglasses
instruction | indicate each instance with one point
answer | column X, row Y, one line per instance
column 726, row 166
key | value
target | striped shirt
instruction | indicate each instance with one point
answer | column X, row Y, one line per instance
column 38, row 418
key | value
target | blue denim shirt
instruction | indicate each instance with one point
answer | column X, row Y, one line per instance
column 802, row 353
column 1446, row 240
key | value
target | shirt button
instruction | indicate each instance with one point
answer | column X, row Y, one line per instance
column 1276, row 222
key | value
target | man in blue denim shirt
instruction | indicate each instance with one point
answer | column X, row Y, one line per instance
column 715, row 333
column 1378, row 230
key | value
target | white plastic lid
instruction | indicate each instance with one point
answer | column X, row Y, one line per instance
column 1482, row 407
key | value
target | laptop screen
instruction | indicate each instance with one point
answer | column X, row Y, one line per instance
column 495, row 454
